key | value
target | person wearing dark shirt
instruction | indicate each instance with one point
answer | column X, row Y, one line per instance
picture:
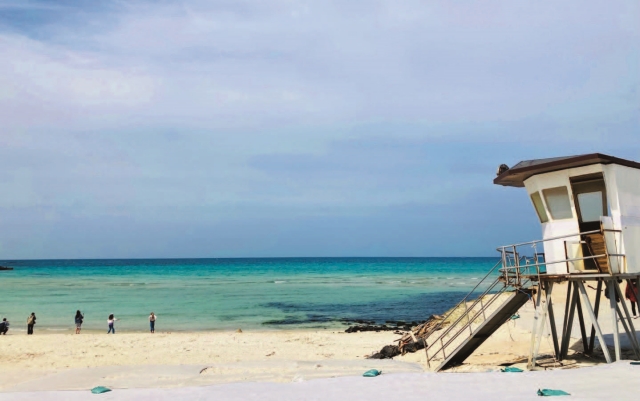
column 31, row 321
column 78, row 320
column 4, row 326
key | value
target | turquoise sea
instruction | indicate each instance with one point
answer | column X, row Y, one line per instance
column 222, row 294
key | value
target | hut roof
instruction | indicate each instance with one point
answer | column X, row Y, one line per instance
column 516, row 175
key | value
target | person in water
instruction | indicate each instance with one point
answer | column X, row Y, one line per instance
column 31, row 321
column 79, row 318
column 152, row 322
column 110, row 322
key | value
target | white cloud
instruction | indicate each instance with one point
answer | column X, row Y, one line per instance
column 50, row 86
column 255, row 66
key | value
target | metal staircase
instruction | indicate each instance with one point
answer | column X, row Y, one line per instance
column 502, row 292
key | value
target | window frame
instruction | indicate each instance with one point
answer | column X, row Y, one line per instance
column 544, row 217
column 547, row 191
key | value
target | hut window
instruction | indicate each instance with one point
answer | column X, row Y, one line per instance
column 557, row 200
column 590, row 206
column 537, row 203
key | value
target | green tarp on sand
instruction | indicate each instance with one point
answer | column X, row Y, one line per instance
column 371, row 373
column 545, row 392
column 100, row 390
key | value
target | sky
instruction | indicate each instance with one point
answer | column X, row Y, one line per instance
column 246, row 128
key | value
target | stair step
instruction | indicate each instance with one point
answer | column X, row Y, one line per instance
column 598, row 247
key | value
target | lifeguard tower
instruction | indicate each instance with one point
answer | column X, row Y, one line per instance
column 589, row 211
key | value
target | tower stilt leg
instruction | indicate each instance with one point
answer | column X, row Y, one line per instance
column 567, row 305
column 594, row 321
column 583, row 331
column 566, row 335
column 543, row 320
column 592, row 338
column 530, row 362
column 614, row 318
column 626, row 319
column 552, row 323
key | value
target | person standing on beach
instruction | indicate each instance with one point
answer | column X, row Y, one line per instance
column 152, row 322
column 110, row 322
column 31, row 321
column 4, row 326
column 632, row 295
column 79, row 318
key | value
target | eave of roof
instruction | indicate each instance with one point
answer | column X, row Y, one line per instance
column 516, row 176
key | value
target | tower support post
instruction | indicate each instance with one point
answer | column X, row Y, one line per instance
column 614, row 318
column 536, row 317
column 594, row 321
column 552, row 321
column 592, row 337
column 627, row 322
column 543, row 321
column 566, row 334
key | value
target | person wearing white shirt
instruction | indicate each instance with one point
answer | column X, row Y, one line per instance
column 110, row 322
column 152, row 322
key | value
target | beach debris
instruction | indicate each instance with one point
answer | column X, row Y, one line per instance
column 100, row 390
column 387, row 352
column 372, row 373
column 634, row 363
column 412, row 340
column 390, row 351
column 239, row 331
column 271, row 354
column 545, row 392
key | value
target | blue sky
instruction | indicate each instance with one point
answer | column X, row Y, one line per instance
column 298, row 128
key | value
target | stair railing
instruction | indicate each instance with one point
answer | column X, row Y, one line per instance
column 468, row 318
column 464, row 300
column 477, row 300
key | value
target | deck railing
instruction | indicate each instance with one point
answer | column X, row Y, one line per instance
column 517, row 263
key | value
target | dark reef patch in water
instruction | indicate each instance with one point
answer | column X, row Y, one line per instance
column 407, row 309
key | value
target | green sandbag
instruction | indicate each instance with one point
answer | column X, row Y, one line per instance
column 511, row 369
column 100, row 390
column 371, row 373
column 545, row 392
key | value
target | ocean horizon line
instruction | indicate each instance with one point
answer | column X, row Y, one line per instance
column 251, row 258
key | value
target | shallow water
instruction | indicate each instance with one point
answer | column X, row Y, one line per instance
column 211, row 294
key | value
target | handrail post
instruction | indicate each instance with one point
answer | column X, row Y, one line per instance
column 517, row 260
column 466, row 311
column 426, row 352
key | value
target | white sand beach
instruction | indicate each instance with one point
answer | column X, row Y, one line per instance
column 68, row 361
column 610, row 382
